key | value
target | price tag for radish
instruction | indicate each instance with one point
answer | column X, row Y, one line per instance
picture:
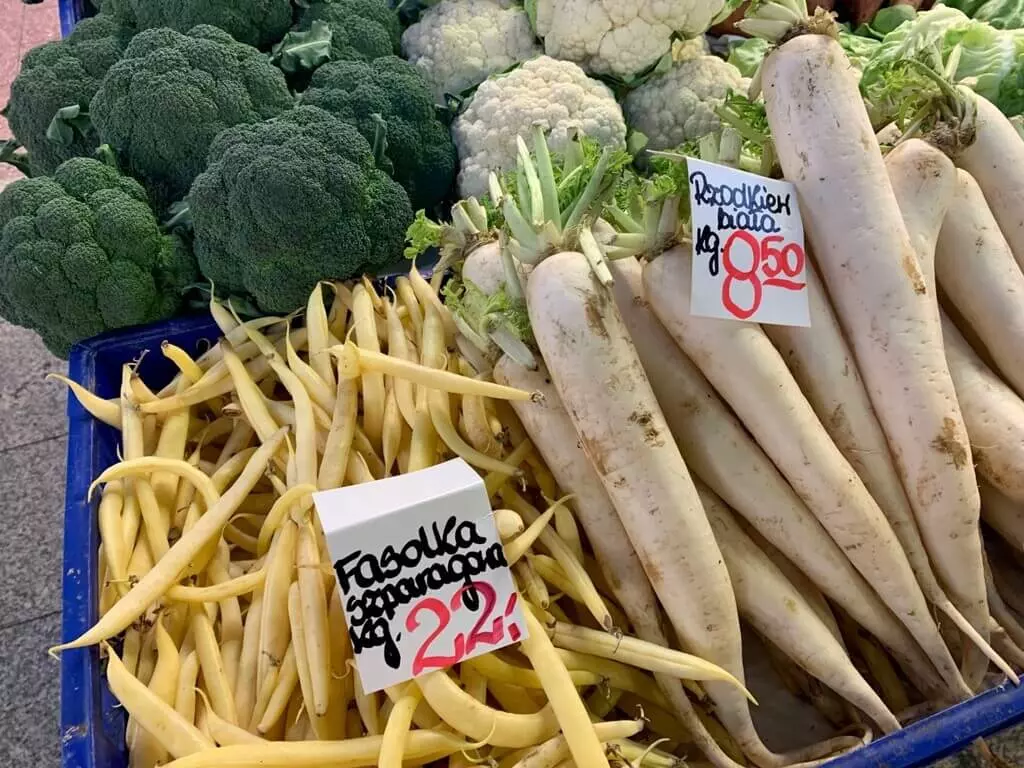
column 748, row 247
column 423, row 576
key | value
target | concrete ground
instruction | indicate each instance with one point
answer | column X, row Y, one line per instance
column 32, row 458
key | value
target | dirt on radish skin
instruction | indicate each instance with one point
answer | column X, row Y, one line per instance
column 718, row 449
column 827, row 149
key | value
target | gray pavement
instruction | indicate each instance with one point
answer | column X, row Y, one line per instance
column 32, row 458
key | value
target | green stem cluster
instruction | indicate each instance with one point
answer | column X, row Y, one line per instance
column 553, row 208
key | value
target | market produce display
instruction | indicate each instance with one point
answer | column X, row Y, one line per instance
column 684, row 501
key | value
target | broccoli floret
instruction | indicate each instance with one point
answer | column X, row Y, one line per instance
column 389, row 100
column 58, row 75
column 255, row 22
column 163, row 103
column 82, row 253
column 291, row 201
column 361, row 30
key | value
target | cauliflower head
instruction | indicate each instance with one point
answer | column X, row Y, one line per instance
column 291, row 201
column 81, row 252
column 621, row 38
column 57, row 75
column 557, row 94
column 680, row 105
column 170, row 94
column 388, row 99
column 458, row 44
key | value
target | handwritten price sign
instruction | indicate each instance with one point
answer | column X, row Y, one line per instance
column 748, row 247
column 423, row 575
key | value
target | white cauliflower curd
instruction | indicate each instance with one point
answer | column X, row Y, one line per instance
column 558, row 94
column 457, row 44
column 680, row 104
column 619, row 37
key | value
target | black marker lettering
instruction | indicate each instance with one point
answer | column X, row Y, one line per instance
column 401, row 576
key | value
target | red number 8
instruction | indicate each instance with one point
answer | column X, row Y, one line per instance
column 734, row 274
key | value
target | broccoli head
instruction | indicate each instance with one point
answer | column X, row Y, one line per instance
column 163, row 103
column 260, row 23
column 63, row 74
column 388, row 99
column 361, row 30
column 82, row 253
column 291, row 201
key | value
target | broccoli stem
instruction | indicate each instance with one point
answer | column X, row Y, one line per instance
column 9, row 155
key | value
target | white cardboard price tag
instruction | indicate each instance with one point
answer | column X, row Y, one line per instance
column 748, row 247
column 423, row 574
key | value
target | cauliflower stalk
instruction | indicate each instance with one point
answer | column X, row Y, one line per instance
column 621, row 38
column 681, row 104
column 556, row 94
column 458, row 44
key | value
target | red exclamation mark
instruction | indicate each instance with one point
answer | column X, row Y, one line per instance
column 510, row 606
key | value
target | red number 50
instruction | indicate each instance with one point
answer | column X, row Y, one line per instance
column 766, row 257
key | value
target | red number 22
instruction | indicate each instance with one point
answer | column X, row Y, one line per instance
column 421, row 660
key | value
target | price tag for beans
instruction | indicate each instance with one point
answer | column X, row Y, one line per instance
column 423, row 575
column 748, row 247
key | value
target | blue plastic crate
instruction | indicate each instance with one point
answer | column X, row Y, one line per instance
column 72, row 12
column 92, row 726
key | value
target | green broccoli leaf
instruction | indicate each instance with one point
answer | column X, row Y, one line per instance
column 304, row 51
column 70, row 123
column 11, row 154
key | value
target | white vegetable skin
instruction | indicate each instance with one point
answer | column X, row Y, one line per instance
column 827, row 148
column 978, row 274
column 994, row 415
column 680, row 104
column 552, row 432
column 458, row 44
column 1005, row 515
column 924, row 183
column 996, row 160
column 558, row 94
column 748, row 372
column 623, row 432
column 778, row 611
column 824, row 367
column 621, row 38
column 718, row 449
